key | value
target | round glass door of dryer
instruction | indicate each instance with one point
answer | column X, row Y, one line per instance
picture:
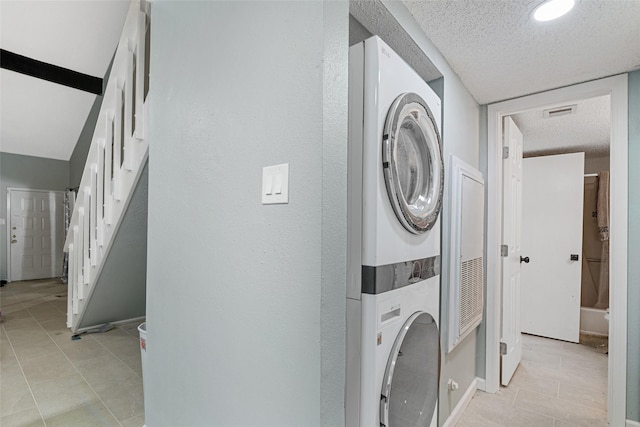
column 410, row 384
column 412, row 163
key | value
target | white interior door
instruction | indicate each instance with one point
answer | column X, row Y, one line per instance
column 553, row 196
column 511, row 238
column 36, row 234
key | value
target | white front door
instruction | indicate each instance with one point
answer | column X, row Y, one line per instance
column 36, row 234
column 511, row 341
column 553, row 195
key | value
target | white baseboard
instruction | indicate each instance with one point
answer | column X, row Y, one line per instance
column 119, row 322
column 135, row 319
column 631, row 423
column 457, row 412
column 482, row 384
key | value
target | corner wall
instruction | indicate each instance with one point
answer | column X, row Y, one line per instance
column 26, row 172
column 633, row 290
column 245, row 302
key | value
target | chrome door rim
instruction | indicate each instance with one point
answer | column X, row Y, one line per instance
column 410, row 110
column 385, row 393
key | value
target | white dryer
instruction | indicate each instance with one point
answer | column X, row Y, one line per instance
column 396, row 179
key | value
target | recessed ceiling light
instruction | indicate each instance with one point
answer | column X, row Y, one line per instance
column 552, row 9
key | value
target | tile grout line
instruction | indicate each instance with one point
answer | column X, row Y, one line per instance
column 72, row 364
column 23, row 375
column 114, row 355
column 82, row 376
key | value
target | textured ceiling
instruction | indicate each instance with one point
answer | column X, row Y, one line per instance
column 588, row 130
column 369, row 17
column 44, row 119
column 500, row 53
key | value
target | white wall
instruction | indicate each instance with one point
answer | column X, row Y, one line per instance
column 461, row 137
column 245, row 302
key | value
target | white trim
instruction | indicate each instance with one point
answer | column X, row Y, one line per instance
column 631, row 423
column 615, row 86
column 481, row 384
column 457, row 412
column 117, row 323
column 8, row 220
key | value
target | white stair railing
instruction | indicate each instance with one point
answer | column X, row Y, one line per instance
column 117, row 155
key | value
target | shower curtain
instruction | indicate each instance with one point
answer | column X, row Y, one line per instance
column 603, row 228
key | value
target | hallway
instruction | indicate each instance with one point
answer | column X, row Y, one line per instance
column 558, row 384
column 50, row 380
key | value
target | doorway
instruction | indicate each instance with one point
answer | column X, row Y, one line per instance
column 35, row 233
column 616, row 87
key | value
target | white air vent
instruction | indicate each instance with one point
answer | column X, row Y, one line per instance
column 466, row 275
column 471, row 300
column 559, row 111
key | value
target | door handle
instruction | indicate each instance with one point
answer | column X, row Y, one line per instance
column 525, row 260
column 14, row 241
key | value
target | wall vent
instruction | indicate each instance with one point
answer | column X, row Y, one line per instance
column 466, row 266
column 471, row 298
column 559, row 111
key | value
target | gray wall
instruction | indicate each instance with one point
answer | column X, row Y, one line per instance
column 334, row 213
column 461, row 133
column 26, row 172
column 633, row 295
column 243, row 329
column 120, row 292
column 81, row 150
column 596, row 164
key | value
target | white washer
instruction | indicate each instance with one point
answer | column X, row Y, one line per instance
column 393, row 298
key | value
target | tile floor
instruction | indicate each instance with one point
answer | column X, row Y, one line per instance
column 558, row 384
column 49, row 380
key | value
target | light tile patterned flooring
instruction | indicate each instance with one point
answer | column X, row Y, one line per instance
column 46, row 379
column 558, row 384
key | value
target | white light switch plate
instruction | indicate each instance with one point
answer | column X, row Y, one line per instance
column 2, row 222
column 275, row 184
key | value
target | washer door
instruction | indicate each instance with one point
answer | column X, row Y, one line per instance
column 410, row 383
column 412, row 163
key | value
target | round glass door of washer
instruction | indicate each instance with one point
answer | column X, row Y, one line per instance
column 412, row 163
column 410, row 384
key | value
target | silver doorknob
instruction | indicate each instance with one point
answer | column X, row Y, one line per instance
column 14, row 241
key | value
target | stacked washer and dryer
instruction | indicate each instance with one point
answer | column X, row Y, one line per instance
column 395, row 186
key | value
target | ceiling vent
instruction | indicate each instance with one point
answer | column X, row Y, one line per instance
column 559, row 111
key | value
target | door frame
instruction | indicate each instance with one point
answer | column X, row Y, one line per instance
column 616, row 87
column 8, row 222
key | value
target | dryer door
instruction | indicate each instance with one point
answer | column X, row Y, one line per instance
column 412, row 163
column 410, row 382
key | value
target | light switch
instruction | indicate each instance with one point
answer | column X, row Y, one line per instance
column 268, row 185
column 275, row 184
column 277, row 187
column 2, row 221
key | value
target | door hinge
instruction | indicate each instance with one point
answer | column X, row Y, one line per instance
column 505, row 152
column 504, row 250
column 503, row 348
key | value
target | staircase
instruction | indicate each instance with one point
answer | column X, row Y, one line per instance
column 116, row 160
